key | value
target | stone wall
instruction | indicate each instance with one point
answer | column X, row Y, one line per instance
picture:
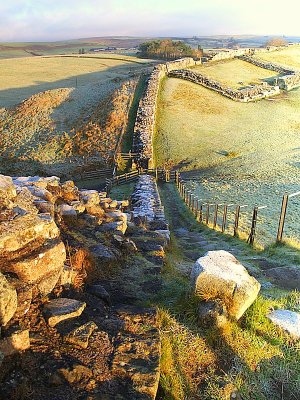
column 267, row 65
column 291, row 78
column 147, row 206
column 34, row 212
column 145, row 119
column 226, row 54
column 253, row 93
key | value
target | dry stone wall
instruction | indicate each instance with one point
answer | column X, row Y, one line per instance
column 290, row 79
column 145, row 119
column 252, row 93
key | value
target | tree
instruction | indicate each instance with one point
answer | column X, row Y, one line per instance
column 276, row 41
column 167, row 49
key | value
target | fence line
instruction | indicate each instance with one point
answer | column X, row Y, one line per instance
column 202, row 211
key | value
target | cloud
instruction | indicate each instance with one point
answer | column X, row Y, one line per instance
column 62, row 19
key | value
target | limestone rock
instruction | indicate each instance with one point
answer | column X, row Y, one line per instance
column 90, row 197
column 41, row 193
column 80, row 336
column 67, row 276
column 7, row 190
column 219, row 275
column 67, row 212
column 96, row 210
column 69, row 192
column 58, row 310
column 100, row 292
column 289, row 321
column 26, row 230
column 18, row 341
column 44, row 206
column 48, row 263
column 8, row 300
column 102, row 253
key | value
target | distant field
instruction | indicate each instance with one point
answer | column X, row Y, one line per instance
column 246, row 153
column 27, row 76
column 235, row 73
column 289, row 56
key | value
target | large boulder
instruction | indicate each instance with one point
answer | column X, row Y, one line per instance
column 26, row 231
column 7, row 191
column 220, row 276
column 287, row 320
column 8, row 300
column 43, row 269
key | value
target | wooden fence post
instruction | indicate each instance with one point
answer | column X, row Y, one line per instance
column 253, row 226
column 284, row 204
column 156, row 175
column 190, row 200
column 207, row 214
column 236, row 221
column 216, row 216
column 224, row 218
column 201, row 213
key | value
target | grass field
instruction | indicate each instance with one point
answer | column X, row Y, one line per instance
column 239, row 153
column 27, row 76
column 235, row 73
column 289, row 56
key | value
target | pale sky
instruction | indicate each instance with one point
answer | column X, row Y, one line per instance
column 29, row 20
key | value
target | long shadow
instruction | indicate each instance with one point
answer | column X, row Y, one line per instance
column 114, row 75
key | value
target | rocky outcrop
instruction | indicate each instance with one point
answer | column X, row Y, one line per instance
column 219, row 276
column 32, row 250
column 245, row 95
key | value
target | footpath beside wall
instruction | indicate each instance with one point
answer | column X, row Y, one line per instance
column 256, row 92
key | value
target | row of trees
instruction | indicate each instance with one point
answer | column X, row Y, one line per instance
column 168, row 50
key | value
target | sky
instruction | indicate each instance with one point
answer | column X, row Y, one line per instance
column 49, row 20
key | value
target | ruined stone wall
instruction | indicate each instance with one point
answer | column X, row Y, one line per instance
column 267, row 65
column 145, row 119
column 147, row 206
column 253, row 93
column 289, row 82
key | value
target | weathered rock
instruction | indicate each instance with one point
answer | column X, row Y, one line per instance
column 100, row 292
column 41, row 193
column 58, row 310
column 26, row 230
column 113, row 226
column 289, row 321
column 69, row 192
column 102, row 253
column 18, row 341
column 67, row 276
column 78, row 206
column 80, row 336
column 24, row 295
column 96, row 210
column 219, row 275
column 44, row 206
column 287, row 277
column 50, row 259
column 7, row 191
column 67, row 212
column 25, row 200
column 125, row 243
column 8, row 300
column 89, row 197
column 212, row 313
column 77, row 373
